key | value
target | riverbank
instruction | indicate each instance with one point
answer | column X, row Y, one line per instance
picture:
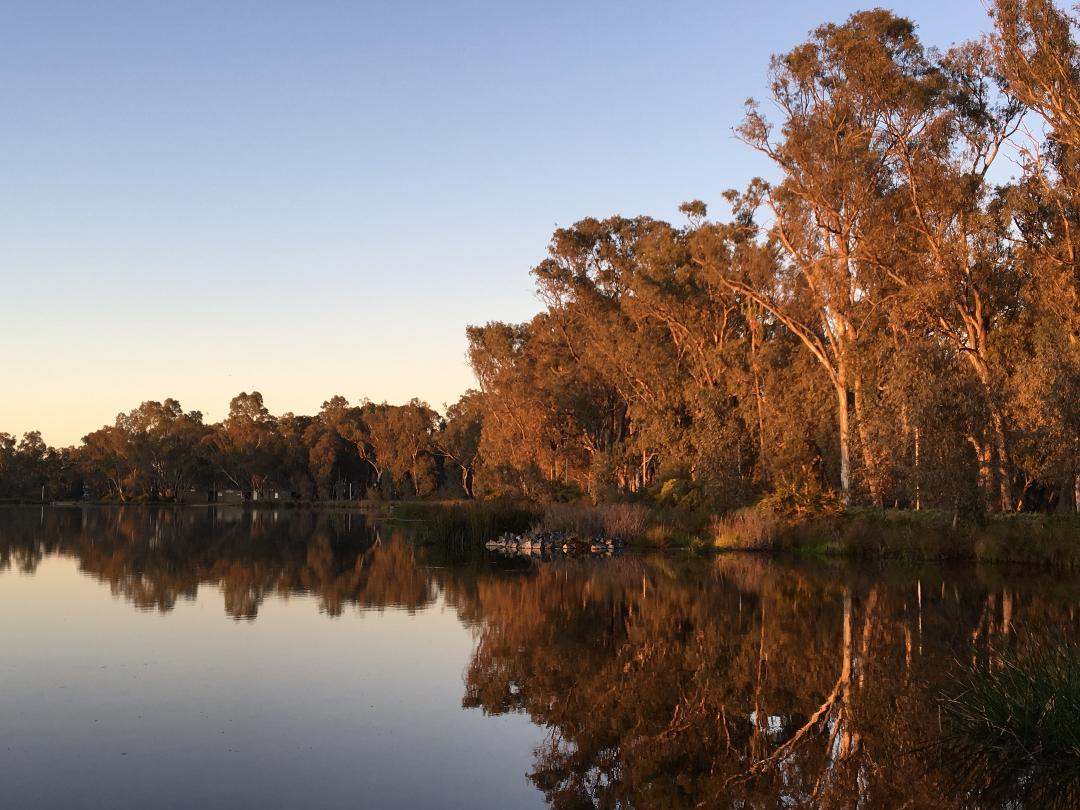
column 1025, row 538
column 859, row 532
column 924, row 536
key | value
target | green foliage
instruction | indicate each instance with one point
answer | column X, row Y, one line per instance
column 801, row 501
column 675, row 487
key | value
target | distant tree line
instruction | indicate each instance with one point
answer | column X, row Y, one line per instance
column 895, row 319
column 161, row 452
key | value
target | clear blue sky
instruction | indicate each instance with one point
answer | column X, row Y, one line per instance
column 314, row 198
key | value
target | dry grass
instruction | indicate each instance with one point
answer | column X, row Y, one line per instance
column 753, row 528
column 626, row 521
column 465, row 520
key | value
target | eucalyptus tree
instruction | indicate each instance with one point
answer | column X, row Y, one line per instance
column 107, row 462
column 951, row 256
column 602, row 316
column 458, row 439
column 1037, row 53
column 9, row 477
column 295, row 469
column 164, row 444
column 245, row 444
column 531, row 388
column 831, row 209
column 31, row 470
column 397, row 441
column 759, row 355
column 1036, row 50
column 331, row 438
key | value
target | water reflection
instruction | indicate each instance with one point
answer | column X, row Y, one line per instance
column 660, row 682
column 747, row 683
column 156, row 558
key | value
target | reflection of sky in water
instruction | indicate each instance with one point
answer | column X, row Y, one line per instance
column 105, row 706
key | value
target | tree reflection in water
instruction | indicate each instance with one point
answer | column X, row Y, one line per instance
column 663, row 682
column 156, row 558
column 744, row 683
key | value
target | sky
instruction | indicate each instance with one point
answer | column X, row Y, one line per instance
column 315, row 197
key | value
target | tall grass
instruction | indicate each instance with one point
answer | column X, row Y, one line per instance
column 626, row 521
column 752, row 528
column 1013, row 730
column 472, row 521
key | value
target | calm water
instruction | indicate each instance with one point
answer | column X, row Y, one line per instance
column 230, row 659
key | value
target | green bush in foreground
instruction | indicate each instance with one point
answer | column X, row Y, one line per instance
column 1013, row 730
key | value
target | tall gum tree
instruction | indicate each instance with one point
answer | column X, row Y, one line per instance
column 830, row 206
column 949, row 252
column 1035, row 50
column 648, row 321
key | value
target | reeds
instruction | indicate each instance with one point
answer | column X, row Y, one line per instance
column 473, row 521
column 625, row 521
column 1013, row 730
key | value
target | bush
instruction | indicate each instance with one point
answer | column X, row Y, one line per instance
column 803, row 501
column 677, row 489
column 565, row 492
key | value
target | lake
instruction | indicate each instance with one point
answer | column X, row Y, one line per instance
column 230, row 658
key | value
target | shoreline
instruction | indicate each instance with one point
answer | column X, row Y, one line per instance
column 1046, row 540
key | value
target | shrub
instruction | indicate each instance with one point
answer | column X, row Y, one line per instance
column 803, row 501
column 679, row 491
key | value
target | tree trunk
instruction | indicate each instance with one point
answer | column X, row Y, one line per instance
column 845, row 450
column 465, row 481
column 873, row 479
column 997, row 422
column 918, row 492
column 1002, row 458
column 759, row 397
column 982, row 454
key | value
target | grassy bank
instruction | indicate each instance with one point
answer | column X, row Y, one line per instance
column 827, row 529
column 906, row 534
column 821, row 527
